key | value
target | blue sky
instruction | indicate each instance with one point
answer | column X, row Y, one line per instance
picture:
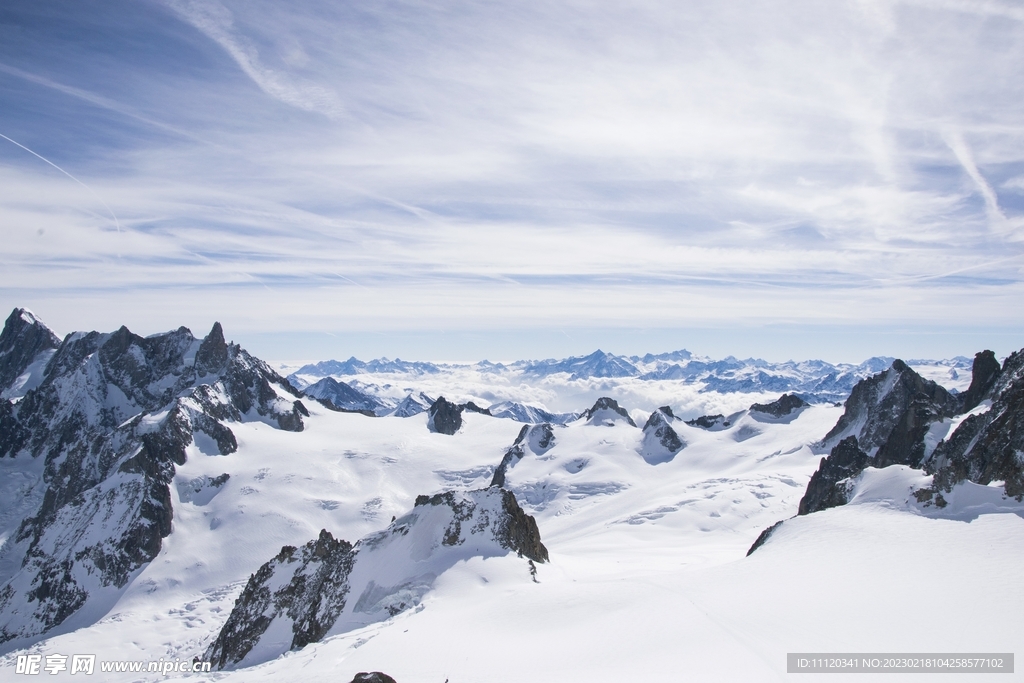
column 464, row 180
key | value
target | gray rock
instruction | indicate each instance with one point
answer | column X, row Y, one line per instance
column 536, row 438
column 988, row 447
column 444, row 417
column 24, row 341
column 309, row 589
column 889, row 414
column 984, row 374
column 608, row 410
column 708, row 421
column 784, row 405
column 661, row 443
column 374, row 677
column 112, row 418
column 312, row 599
column 830, row 485
column 764, row 536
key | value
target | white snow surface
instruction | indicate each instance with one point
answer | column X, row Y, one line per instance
column 648, row 578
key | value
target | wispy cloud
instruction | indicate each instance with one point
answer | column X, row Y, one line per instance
column 404, row 165
column 216, row 21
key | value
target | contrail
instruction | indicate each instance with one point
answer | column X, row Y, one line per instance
column 91, row 191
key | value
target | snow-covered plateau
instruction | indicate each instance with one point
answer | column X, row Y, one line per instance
column 604, row 518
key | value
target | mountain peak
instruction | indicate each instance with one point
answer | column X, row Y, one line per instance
column 26, row 344
column 607, row 411
column 213, row 352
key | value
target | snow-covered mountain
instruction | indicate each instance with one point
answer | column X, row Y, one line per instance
column 555, row 390
column 169, row 498
column 331, row 587
column 99, row 439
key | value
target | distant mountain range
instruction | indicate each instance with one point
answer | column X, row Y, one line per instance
column 814, row 381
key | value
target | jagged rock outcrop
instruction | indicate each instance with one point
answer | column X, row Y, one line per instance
column 606, row 411
column 888, row 416
column 471, row 407
column 26, row 344
column 764, row 536
column 830, row 485
column 661, row 443
column 708, row 421
column 537, row 439
column 783, row 406
column 372, row 677
column 988, row 446
column 330, row 586
column 890, row 413
column 311, row 600
column 984, row 374
column 111, row 419
column 444, row 417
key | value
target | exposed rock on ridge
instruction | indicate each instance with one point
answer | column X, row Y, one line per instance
column 889, row 415
column 988, row 446
column 444, row 417
column 893, row 412
column 661, row 443
column 24, row 342
column 537, row 439
column 112, row 418
column 329, row 586
column 781, row 407
column 606, row 411
column 830, row 485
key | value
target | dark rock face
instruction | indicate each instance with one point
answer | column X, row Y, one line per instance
column 708, row 421
column 784, row 405
column 111, row 419
column 312, row 599
column 829, row 485
column 988, row 447
column 471, row 407
column 607, row 409
column 513, row 529
column 984, row 374
column 374, row 677
column 22, row 342
column 661, row 443
column 444, row 417
column 536, row 438
column 889, row 414
column 309, row 590
column 764, row 536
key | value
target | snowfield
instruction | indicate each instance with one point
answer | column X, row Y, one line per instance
column 647, row 579
column 170, row 499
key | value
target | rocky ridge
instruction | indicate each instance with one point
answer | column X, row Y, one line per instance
column 896, row 417
column 109, row 422
column 536, row 439
column 661, row 442
column 331, row 586
column 26, row 345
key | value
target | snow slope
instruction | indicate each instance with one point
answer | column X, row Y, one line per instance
column 647, row 578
